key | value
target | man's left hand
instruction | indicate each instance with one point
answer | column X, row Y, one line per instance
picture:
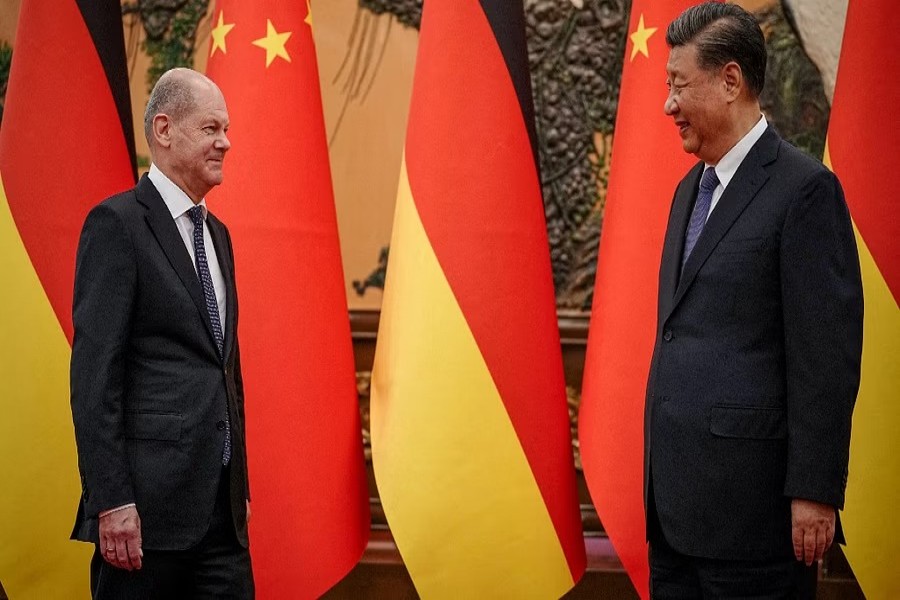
column 248, row 511
column 812, row 529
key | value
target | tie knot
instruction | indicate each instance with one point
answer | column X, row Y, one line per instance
column 196, row 215
column 708, row 183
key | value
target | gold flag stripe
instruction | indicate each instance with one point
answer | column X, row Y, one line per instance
column 37, row 511
column 870, row 518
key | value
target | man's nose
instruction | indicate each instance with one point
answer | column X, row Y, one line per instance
column 670, row 107
column 223, row 142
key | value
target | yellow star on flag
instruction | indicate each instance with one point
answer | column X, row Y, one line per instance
column 218, row 34
column 308, row 19
column 274, row 43
column 639, row 38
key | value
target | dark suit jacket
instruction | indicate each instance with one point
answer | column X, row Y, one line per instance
column 756, row 362
column 148, row 389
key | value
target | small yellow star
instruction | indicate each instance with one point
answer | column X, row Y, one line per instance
column 308, row 19
column 274, row 44
column 639, row 39
column 218, row 34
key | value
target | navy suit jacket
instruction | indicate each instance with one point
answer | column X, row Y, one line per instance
column 756, row 361
column 148, row 388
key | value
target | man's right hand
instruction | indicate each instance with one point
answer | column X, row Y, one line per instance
column 120, row 538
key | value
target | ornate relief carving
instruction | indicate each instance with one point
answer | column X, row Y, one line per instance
column 363, row 384
column 171, row 28
column 793, row 97
column 575, row 52
column 407, row 12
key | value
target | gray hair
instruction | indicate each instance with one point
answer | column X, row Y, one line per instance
column 723, row 33
column 172, row 95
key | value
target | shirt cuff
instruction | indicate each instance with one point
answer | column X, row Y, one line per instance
column 117, row 509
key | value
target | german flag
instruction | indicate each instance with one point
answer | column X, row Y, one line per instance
column 470, row 432
column 310, row 500
column 66, row 143
column 863, row 153
column 647, row 164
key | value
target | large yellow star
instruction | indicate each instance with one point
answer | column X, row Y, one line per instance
column 308, row 19
column 218, row 34
column 639, row 39
column 274, row 43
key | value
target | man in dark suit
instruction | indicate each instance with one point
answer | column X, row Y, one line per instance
column 156, row 389
column 756, row 362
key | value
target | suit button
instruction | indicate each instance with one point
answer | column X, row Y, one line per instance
column 668, row 335
column 220, row 425
column 226, row 371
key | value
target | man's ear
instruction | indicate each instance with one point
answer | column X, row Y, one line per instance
column 162, row 130
column 733, row 79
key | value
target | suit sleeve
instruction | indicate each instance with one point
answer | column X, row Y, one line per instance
column 239, row 386
column 238, row 374
column 105, row 285
column 823, row 310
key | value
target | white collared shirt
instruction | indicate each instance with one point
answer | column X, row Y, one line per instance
column 728, row 165
column 178, row 204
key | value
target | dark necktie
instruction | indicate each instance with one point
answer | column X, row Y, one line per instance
column 212, row 306
column 708, row 184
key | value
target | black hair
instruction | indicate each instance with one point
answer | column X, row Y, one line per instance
column 723, row 33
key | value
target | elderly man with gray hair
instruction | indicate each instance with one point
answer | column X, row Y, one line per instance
column 156, row 388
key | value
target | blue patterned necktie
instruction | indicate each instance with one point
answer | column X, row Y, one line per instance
column 212, row 306
column 708, row 184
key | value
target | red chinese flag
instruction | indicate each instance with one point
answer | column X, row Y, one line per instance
column 647, row 164
column 307, row 477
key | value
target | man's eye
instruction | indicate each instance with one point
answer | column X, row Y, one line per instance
column 209, row 130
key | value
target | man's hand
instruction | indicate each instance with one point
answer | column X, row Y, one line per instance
column 812, row 529
column 248, row 511
column 120, row 538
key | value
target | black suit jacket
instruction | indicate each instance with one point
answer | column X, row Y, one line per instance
column 756, row 362
column 148, row 389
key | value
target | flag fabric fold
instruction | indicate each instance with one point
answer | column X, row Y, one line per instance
column 307, row 474
column 470, row 434
column 647, row 164
column 66, row 143
column 861, row 151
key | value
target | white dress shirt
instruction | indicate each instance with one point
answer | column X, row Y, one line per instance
column 729, row 163
column 178, row 204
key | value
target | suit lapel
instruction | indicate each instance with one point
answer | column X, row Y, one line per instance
column 670, row 265
column 223, row 253
column 747, row 181
column 160, row 221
